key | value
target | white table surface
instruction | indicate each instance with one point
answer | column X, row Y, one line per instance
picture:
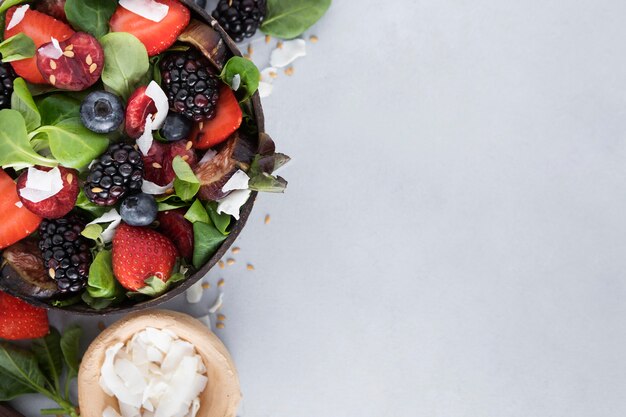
column 452, row 242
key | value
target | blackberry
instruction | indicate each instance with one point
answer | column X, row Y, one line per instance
column 119, row 171
column 66, row 253
column 240, row 18
column 191, row 85
column 7, row 75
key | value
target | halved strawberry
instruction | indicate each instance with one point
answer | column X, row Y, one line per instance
column 19, row 320
column 174, row 225
column 17, row 221
column 140, row 253
column 227, row 120
column 156, row 36
column 137, row 110
column 40, row 28
column 59, row 204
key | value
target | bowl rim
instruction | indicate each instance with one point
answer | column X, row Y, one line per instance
column 246, row 209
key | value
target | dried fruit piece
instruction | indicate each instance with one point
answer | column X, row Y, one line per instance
column 55, row 206
column 75, row 65
column 207, row 40
column 24, row 272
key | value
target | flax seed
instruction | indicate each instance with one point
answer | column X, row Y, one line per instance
column 314, row 39
column 53, row 65
column 221, row 317
column 236, row 250
column 230, row 261
column 53, row 79
column 279, row 45
column 69, row 54
column 89, row 60
column 221, row 264
column 69, row 47
column 189, row 145
column 70, row 178
column 250, row 267
column 185, row 158
column 96, row 190
column 51, row 272
column 289, row 71
column 250, row 49
column 268, row 219
column 93, row 67
column 220, row 325
column 206, row 286
column 169, row 191
column 268, row 38
column 220, row 283
column 157, row 165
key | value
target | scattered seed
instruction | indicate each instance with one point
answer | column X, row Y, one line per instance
column 96, row 190
column 273, row 74
column 51, row 272
column 69, row 47
column 220, row 283
column 250, row 267
column 250, row 49
column 201, row 126
column 268, row 219
column 206, row 285
column 279, row 45
column 189, row 145
column 53, row 64
column 53, row 79
column 185, row 157
column 69, row 54
column 70, row 178
column 230, row 261
column 268, row 38
column 169, row 191
column 220, row 325
column 101, row 325
column 157, row 165
column 314, row 39
column 93, row 67
column 89, row 60
column 289, row 71
column 236, row 250
column 221, row 317
column 221, row 264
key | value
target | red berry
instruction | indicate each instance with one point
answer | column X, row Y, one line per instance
column 40, row 28
column 19, row 320
column 17, row 221
column 156, row 37
column 158, row 163
column 227, row 120
column 137, row 110
column 140, row 253
column 174, row 225
column 78, row 68
column 59, row 204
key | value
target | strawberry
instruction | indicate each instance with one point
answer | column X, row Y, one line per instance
column 40, row 28
column 54, row 8
column 19, row 320
column 140, row 253
column 17, row 221
column 174, row 225
column 156, row 36
column 137, row 110
column 227, row 120
column 59, row 204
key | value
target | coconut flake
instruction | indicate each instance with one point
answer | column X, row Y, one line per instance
column 194, row 293
column 110, row 412
column 179, row 350
column 269, row 74
column 265, row 89
column 52, row 50
column 239, row 181
column 111, row 382
column 195, row 407
column 159, row 339
column 112, row 217
column 144, row 142
column 208, row 156
column 149, row 187
column 148, row 9
column 287, row 53
column 19, row 204
column 156, row 93
column 18, row 16
column 41, row 185
column 217, row 304
column 236, row 82
column 232, row 203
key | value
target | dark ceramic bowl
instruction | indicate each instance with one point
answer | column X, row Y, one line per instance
column 128, row 305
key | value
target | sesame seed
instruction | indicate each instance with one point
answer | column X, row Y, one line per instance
column 69, row 47
column 221, row 264
column 53, row 79
column 250, row 267
column 157, row 165
column 221, row 317
column 268, row 219
column 51, row 272
column 89, row 60
column 96, row 190
column 93, row 67
column 206, row 286
column 189, row 145
column 220, row 283
column 69, row 54
column 314, row 39
column 185, row 157
column 230, row 261
column 169, row 191
column 289, row 71
column 273, row 74
column 268, row 38
column 70, row 178
column 220, row 325
column 53, row 65
column 236, row 250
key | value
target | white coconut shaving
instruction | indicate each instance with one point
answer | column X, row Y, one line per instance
column 149, row 187
column 265, row 89
column 149, row 9
column 208, row 156
column 287, row 53
column 19, row 204
column 18, row 16
column 156, row 93
column 232, row 203
column 194, row 293
column 155, row 374
column 145, row 140
column 236, row 83
column 112, row 217
column 239, row 181
column 52, row 50
column 269, row 74
column 219, row 301
column 41, row 185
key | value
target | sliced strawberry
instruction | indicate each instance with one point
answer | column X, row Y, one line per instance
column 40, row 28
column 59, row 204
column 137, row 110
column 17, row 221
column 19, row 320
column 174, row 225
column 140, row 253
column 227, row 120
column 54, row 8
column 77, row 68
column 156, row 36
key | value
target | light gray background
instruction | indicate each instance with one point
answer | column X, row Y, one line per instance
column 452, row 242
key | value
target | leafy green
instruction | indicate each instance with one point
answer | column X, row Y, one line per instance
column 58, row 107
column 11, row 388
column 90, row 15
column 49, row 355
column 288, row 19
column 267, row 183
column 207, row 239
column 155, row 286
column 7, row 4
column 220, row 220
column 197, row 213
column 83, row 203
column 17, row 47
column 186, row 184
column 72, row 144
column 22, row 365
column 125, row 63
column 92, row 231
column 102, row 282
column 22, row 101
column 15, row 149
column 248, row 73
column 70, row 347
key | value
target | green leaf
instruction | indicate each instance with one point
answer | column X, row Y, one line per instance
column 58, row 107
column 197, row 213
column 49, row 355
column 90, row 15
column 288, row 19
column 248, row 72
column 207, row 239
column 17, row 47
column 70, row 346
column 155, row 286
column 186, row 190
column 92, row 231
column 125, row 63
column 7, row 4
column 66, row 302
column 15, row 149
column 102, row 282
column 220, row 220
column 186, row 183
column 21, row 365
column 72, row 144
column 11, row 388
column 268, row 183
column 83, row 203
column 22, row 101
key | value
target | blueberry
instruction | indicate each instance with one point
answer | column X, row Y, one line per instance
column 102, row 112
column 176, row 127
column 139, row 209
